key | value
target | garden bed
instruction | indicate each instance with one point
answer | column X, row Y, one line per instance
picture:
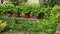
column 21, row 18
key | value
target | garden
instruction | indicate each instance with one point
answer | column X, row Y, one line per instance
column 18, row 19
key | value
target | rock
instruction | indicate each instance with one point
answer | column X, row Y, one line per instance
column 57, row 32
column 33, row 2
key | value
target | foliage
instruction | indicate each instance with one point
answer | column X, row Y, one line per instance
column 15, row 2
column 43, row 26
column 54, row 11
column 28, row 26
column 12, row 25
column 3, row 25
column 37, row 9
column 26, row 9
column 8, row 8
column 5, row 8
column 47, row 25
column 52, row 2
column 58, row 27
column 32, row 9
column 0, row 17
column 42, row 33
column 25, row 25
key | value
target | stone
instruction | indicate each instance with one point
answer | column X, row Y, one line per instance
column 57, row 32
column 33, row 1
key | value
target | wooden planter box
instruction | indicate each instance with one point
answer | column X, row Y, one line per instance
column 20, row 32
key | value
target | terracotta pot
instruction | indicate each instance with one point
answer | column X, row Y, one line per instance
column 40, row 16
column 27, row 15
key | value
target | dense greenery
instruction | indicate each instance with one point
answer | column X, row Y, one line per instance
column 48, row 25
column 12, row 25
column 3, row 25
column 9, row 8
column 33, row 9
column 52, row 2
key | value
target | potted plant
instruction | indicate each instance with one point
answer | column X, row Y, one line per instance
column 32, row 8
column 26, row 14
column 3, row 9
column 26, row 11
column 38, row 12
column 14, row 11
column 42, row 13
column 19, row 9
column 7, row 10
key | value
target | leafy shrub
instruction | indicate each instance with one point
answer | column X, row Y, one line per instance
column 12, row 25
column 2, row 25
column 26, row 9
column 47, row 25
column 10, row 8
column 52, row 11
column 58, row 27
column 0, row 17
column 25, row 25
column 52, row 2
column 33, row 9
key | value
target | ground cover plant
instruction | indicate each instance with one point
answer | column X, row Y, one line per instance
column 27, row 10
column 3, row 25
column 46, row 26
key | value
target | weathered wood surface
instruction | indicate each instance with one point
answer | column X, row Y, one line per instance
column 22, row 18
